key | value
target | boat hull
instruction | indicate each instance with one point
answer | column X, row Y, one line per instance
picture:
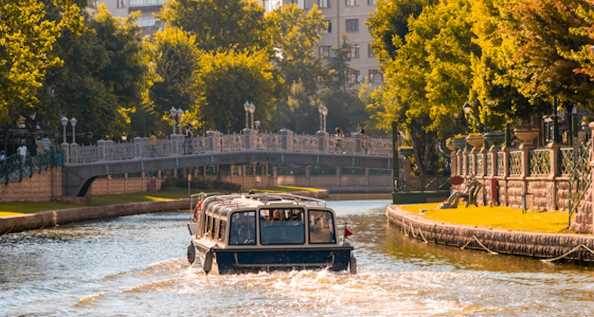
column 252, row 260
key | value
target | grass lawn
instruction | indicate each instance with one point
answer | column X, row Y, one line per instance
column 494, row 217
column 11, row 209
column 287, row 189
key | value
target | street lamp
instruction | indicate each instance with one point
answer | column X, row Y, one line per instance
column 64, row 122
column 246, row 109
column 249, row 108
column 323, row 110
column 73, row 124
column 175, row 114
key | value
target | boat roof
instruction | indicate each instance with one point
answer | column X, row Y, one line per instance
column 225, row 204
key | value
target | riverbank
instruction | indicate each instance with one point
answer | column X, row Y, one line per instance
column 106, row 207
column 546, row 246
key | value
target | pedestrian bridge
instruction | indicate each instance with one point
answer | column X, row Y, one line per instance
column 83, row 164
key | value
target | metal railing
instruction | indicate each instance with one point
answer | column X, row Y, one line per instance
column 215, row 142
column 15, row 167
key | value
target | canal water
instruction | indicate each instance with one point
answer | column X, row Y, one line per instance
column 135, row 266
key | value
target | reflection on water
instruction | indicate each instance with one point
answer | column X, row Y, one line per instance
column 135, row 266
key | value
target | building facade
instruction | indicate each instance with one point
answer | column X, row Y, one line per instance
column 347, row 21
column 146, row 9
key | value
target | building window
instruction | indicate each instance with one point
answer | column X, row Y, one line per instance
column 370, row 51
column 371, row 2
column 324, row 3
column 352, row 25
column 355, row 49
column 121, row 4
column 325, row 51
column 301, row 4
column 350, row 3
column 146, row 21
column 354, row 76
column 329, row 24
column 375, row 76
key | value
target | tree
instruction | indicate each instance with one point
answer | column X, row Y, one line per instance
column 27, row 39
column 172, row 77
column 388, row 25
column 293, row 36
column 227, row 80
column 99, row 80
column 428, row 80
column 339, row 93
column 219, row 24
column 546, row 38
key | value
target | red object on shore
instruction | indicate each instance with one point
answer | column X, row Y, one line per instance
column 347, row 231
column 456, row 180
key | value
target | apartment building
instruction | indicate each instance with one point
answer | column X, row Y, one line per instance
column 122, row 8
column 347, row 20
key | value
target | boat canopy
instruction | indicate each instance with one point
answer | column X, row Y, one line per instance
column 223, row 205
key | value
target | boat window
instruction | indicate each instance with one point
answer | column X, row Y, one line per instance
column 243, row 228
column 222, row 228
column 215, row 228
column 282, row 226
column 207, row 226
column 321, row 227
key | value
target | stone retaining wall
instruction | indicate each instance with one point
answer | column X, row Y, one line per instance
column 122, row 185
column 41, row 186
column 54, row 218
column 538, row 245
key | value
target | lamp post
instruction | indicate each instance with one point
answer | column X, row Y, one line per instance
column 73, row 124
column 175, row 115
column 64, row 122
column 249, row 109
column 252, row 111
column 246, row 109
column 323, row 110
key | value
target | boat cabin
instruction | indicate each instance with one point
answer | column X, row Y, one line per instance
column 239, row 223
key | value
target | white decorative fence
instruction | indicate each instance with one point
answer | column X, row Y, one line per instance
column 216, row 142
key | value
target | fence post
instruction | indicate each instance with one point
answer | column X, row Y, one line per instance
column 553, row 173
column 139, row 146
column 101, row 149
column 323, row 141
column 66, row 150
column 214, row 141
column 525, row 172
column 287, row 140
column 505, row 175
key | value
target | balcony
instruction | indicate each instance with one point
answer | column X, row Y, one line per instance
column 146, row 3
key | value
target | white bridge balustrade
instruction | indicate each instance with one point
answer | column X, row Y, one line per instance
column 215, row 142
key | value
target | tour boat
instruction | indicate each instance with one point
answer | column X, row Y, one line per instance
column 266, row 231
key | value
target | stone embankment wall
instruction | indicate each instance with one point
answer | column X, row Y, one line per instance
column 528, row 177
column 538, row 245
column 54, row 218
column 122, row 185
column 41, row 186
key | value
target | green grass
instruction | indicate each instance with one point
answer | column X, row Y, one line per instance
column 494, row 217
column 16, row 208
column 11, row 209
column 287, row 189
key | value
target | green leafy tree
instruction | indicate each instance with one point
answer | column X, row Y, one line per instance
column 99, row 80
column 544, row 36
column 28, row 36
column 428, row 80
column 227, row 80
column 293, row 35
column 219, row 24
column 172, row 77
column 388, row 25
